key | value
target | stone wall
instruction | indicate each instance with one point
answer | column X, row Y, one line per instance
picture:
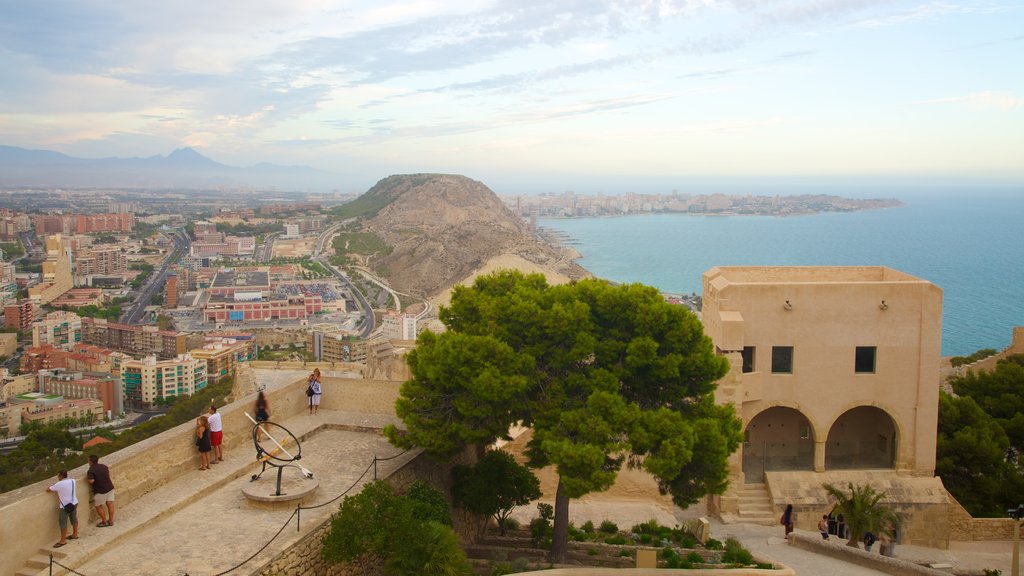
column 304, row 559
column 988, row 364
column 29, row 513
column 875, row 561
column 964, row 527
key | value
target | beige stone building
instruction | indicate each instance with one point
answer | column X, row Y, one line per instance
column 57, row 277
column 835, row 375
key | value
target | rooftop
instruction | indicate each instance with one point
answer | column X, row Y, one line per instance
column 231, row 278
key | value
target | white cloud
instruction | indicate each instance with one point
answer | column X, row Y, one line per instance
column 991, row 100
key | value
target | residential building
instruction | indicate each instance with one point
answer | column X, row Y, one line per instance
column 57, row 277
column 76, row 384
column 117, row 222
column 8, row 344
column 223, row 355
column 172, row 290
column 395, row 326
column 147, row 380
column 19, row 315
column 103, row 261
column 835, row 376
column 59, row 329
column 47, row 412
column 337, row 346
column 140, row 340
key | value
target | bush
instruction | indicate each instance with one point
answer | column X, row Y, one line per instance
column 625, row 554
column 588, row 527
column 688, row 541
column 713, row 544
column 429, row 504
column 617, row 540
column 649, row 527
column 376, row 521
column 541, row 529
column 735, row 553
column 608, row 527
column 494, row 486
column 695, row 558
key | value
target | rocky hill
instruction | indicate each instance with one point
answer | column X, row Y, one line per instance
column 441, row 228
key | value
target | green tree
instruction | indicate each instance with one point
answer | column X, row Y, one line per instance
column 1000, row 394
column 408, row 532
column 862, row 510
column 494, row 486
column 602, row 374
column 971, row 458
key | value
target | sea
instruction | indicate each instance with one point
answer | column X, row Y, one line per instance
column 972, row 247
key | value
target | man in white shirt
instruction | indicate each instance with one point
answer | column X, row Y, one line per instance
column 216, row 434
column 67, row 493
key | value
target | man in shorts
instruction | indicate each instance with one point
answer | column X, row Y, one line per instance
column 67, row 493
column 216, row 434
column 102, row 490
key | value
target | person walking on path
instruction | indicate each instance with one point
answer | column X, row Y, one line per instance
column 314, row 391
column 262, row 414
column 787, row 519
column 203, row 442
column 67, row 505
column 823, row 526
column 216, row 434
column 102, row 490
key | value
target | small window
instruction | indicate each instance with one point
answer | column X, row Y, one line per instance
column 748, row 359
column 782, row 359
column 864, row 362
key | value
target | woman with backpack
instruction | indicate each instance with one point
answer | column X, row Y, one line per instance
column 314, row 391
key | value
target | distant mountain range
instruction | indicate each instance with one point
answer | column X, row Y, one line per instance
column 183, row 168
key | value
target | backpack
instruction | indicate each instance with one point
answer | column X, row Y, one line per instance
column 309, row 390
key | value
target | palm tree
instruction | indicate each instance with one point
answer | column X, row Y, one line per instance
column 862, row 511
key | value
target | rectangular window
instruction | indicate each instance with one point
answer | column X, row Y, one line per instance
column 748, row 359
column 782, row 359
column 864, row 361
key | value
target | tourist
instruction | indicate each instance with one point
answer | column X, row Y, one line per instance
column 102, row 490
column 869, row 540
column 787, row 519
column 262, row 414
column 67, row 505
column 216, row 434
column 823, row 526
column 203, row 442
column 314, row 391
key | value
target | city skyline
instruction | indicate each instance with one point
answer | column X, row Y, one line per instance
column 740, row 96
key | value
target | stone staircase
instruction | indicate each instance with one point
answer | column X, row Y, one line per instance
column 755, row 505
column 40, row 561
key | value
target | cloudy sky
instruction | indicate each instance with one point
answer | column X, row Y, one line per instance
column 532, row 96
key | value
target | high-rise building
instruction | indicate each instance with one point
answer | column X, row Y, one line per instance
column 150, row 379
column 118, row 222
column 140, row 340
column 59, row 329
column 19, row 315
column 57, row 278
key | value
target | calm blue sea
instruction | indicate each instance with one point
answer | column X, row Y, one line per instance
column 972, row 248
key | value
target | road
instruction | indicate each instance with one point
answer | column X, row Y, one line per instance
column 369, row 321
column 156, row 279
column 266, row 251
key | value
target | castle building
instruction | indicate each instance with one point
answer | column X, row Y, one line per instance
column 835, row 376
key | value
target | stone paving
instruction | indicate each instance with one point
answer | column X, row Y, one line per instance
column 202, row 524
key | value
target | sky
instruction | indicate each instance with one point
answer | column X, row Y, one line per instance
column 527, row 97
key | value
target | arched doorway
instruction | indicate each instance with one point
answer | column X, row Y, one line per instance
column 862, row 437
column 779, row 438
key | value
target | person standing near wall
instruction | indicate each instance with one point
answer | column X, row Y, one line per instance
column 102, row 490
column 823, row 526
column 787, row 519
column 216, row 434
column 67, row 505
column 315, row 391
column 262, row 414
column 203, row 442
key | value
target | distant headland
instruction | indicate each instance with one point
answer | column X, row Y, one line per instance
column 572, row 205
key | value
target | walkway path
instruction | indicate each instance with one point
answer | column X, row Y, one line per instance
column 202, row 524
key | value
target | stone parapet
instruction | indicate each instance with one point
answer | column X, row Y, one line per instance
column 875, row 561
column 964, row 527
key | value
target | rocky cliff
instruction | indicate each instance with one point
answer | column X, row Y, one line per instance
column 442, row 227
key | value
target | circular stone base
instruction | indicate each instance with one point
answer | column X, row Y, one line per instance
column 294, row 489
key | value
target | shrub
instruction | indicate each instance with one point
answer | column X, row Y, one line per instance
column 587, row 527
column 592, row 552
column 649, row 527
column 713, row 544
column 540, row 527
column 429, row 504
column 695, row 558
column 735, row 553
column 617, row 540
column 608, row 527
column 646, row 538
column 625, row 553
column 688, row 541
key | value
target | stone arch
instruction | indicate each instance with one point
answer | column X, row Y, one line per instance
column 863, row 437
column 777, row 438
